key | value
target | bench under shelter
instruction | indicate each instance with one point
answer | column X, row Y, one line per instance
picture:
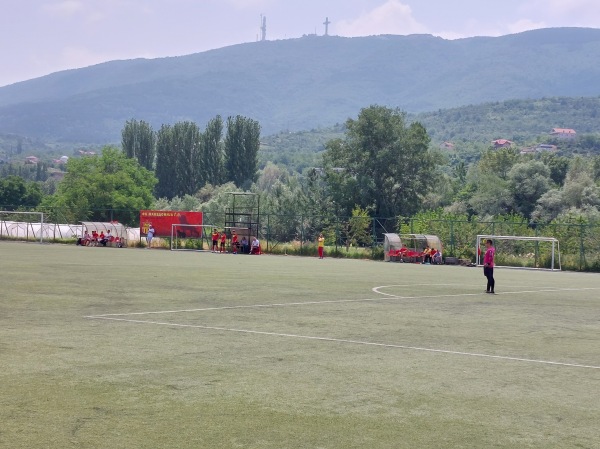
column 408, row 247
column 117, row 230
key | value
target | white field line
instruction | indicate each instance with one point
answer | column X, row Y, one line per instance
column 385, row 296
column 354, row 342
column 545, row 290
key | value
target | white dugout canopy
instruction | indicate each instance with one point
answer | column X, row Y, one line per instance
column 116, row 229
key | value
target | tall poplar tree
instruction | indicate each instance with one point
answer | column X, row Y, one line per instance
column 212, row 151
column 242, row 142
column 139, row 142
column 165, row 163
column 187, row 152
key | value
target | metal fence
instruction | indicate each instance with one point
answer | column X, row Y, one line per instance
column 579, row 242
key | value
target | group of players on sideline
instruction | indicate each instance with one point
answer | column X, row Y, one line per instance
column 219, row 240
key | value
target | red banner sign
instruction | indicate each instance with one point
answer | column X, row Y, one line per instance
column 163, row 221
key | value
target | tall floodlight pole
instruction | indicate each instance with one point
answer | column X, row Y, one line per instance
column 326, row 23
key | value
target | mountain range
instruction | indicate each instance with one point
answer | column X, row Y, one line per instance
column 303, row 83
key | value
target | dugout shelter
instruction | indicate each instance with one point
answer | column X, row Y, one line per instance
column 117, row 230
column 398, row 247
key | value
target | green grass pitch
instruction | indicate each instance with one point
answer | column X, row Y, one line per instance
column 126, row 348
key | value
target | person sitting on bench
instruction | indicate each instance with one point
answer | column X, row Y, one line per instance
column 85, row 240
column 244, row 245
column 104, row 239
column 255, row 246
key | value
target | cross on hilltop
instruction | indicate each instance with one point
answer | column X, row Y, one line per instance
column 326, row 23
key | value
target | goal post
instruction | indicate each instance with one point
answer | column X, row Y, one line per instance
column 522, row 251
column 189, row 233
column 14, row 228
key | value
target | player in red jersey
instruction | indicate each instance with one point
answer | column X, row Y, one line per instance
column 223, row 240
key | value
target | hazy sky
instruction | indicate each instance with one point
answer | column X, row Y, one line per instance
column 44, row 36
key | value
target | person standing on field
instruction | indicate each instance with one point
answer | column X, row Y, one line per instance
column 234, row 242
column 215, row 240
column 321, row 245
column 223, row 241
column 150, row 235
column 488, row 265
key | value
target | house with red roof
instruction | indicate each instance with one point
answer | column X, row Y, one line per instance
column 501, row 143
column 563, row 133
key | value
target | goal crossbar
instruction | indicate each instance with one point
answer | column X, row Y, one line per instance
column 555, row 246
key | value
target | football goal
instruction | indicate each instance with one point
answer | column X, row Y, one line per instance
column 12, row 225
column 541, row 253
column 190, row 237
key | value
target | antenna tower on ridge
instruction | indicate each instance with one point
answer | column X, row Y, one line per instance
column 263, row 28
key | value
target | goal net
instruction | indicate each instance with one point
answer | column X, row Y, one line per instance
column 189, row 237
column 22, row 225
column 523, row 252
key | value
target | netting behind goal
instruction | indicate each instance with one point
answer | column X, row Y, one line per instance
column 189, row 237
column 522, row 252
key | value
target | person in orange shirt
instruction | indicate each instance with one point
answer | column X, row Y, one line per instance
column 223, row 240
column 215, row 240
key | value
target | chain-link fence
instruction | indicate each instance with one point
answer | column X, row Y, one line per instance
column 579, row 242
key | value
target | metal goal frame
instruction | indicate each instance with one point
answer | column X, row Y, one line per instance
column 37, row 214
column 175, row 238
column 554, row 241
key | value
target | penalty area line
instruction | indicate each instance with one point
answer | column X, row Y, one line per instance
column 349, row 341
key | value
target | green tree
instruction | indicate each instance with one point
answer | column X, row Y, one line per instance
column 242, row 142
column 139, row 142
column 187, row 154
column 596, row 168
column 490, row 195
column 579, row 194
column 15, row 192
column 528, row 181
column 357, row 229
column 381, row 163
column 41, row 172
column 165, row 163
column 499, row 161
column 558, row 165
column 212, row 151
column 101, row 188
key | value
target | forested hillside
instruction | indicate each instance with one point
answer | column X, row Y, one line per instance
column 303, row 83
column 470, row 129
column 517, row 120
